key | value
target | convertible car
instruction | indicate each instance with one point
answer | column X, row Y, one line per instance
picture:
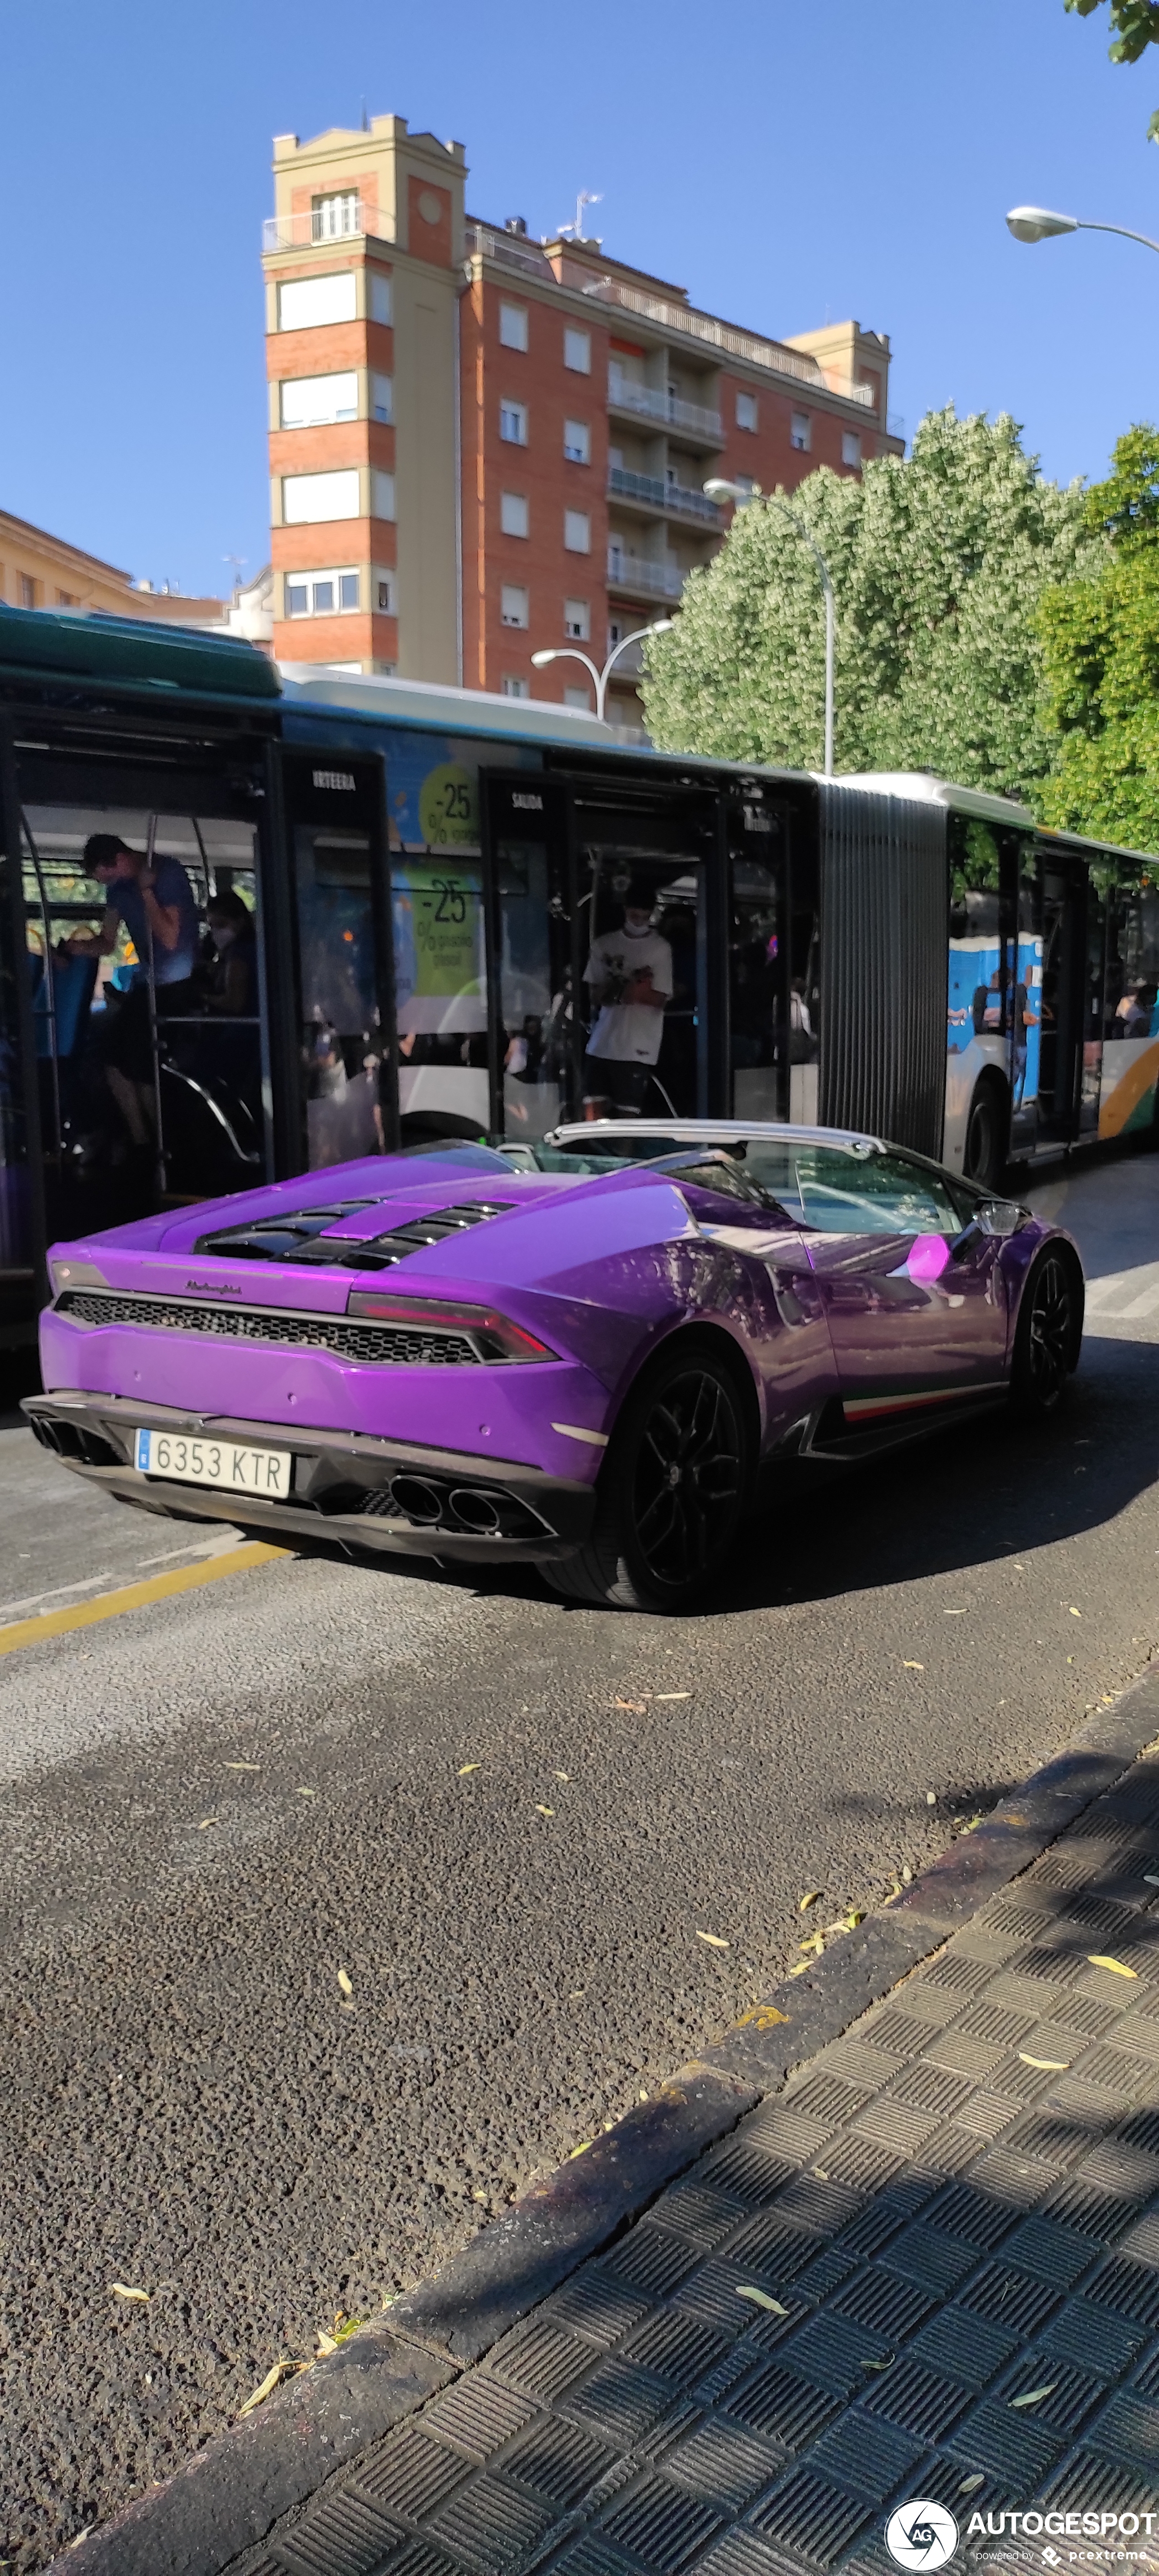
column 581, row 1352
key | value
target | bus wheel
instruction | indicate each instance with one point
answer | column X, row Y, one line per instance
column 1049, row 1334
column 674, row 1489
column 985, row 1155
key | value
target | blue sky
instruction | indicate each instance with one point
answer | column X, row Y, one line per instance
column 789, row 161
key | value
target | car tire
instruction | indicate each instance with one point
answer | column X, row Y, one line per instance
column 984, row 1152
column 674, row 1487
column 1049, row 1333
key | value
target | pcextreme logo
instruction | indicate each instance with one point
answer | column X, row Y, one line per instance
column 921, row 2534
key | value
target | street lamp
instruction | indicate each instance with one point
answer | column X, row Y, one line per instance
column 718, row 489
column 1036, row 223
column 568, row 653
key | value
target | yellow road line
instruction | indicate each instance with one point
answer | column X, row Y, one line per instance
column 137, row 1596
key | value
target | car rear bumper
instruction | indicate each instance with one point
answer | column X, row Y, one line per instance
column 343, row 1484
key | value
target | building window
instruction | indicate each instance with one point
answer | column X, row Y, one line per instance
column 513, row 514
column 382, row 398
column 576, row 697
column 321, row 594
column 515, row 607
column 66, row 599
column 381, row 494
column 577, row 442
column 381, row 298
column 513, row 423
column 746, row 411
column 577, row 620
column 307, row 302
column 577, row 532
column 513, row 326
column 386, row 593
column 513, row 688
column 308, row 399
column 310, row 498
column 801, row 432
column 333, row 218
column 850, row 447
column 577, row 352
column 27, row 590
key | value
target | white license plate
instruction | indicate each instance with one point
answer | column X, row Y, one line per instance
column 212, row 1462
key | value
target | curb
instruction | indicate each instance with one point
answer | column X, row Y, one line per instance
column 229, row 2496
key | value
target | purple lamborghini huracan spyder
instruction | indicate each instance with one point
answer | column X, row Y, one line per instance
column 579, row 1352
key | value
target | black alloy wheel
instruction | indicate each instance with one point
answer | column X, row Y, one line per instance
column 673, row 1490
column 1049, row 1333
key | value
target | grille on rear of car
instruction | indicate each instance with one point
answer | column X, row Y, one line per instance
column 389, row 1345
column 303, row 1239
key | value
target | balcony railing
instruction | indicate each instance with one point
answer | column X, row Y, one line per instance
column 651, row 402
column 624, row 485
column 705, row 327
column 512, row 250
column 645, row 580
column 334, row 219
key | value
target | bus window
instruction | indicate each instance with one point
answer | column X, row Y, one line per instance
column 148, row 1040
column 1130, row 1013
column 342, row 1043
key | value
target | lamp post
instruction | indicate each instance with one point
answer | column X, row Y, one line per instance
column 568, row 653
column 1037, row 223
column 741, row 493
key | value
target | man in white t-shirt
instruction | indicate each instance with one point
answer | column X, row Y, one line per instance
column 630, row 975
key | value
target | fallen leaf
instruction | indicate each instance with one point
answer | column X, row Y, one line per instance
column 804, row 1902
column 955, row 1614
column 763, row 2016
column 326, row 2343
column 581, row 2150
column 634, row 1707
column 909, row 1667
column 815, row 1942
column 206, row 1821
column 241, row 1766
column 1095, row 1959
column 464, row 1767
column 1034, row 2396
column 1075, row 1614
column 819, row 2174
column 969, row 2486
column 802, row 1968
column 1046, row 2065
column 344, row 1982
column 1149, row 1879
column 714, row 1940
column 545, row 1811
column 672, row 1694
column 761, row 2299
column 561, row 1775
column 305, row 1793
column 880, row 2365
column 273, row 2379
column 121, row 2290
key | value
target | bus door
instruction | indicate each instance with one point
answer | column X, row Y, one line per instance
column 150, row 1048
column 532, row 967
column 774, row 1025
column 1058, row 913
column 649, row 862
column 1129, row 1070
column 340, row 965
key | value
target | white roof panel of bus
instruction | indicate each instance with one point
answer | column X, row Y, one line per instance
column 426, row 702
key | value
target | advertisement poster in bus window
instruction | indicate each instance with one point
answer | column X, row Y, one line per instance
column 437, row 880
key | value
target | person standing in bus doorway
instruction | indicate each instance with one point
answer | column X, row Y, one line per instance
column 156, row 903
column 631, row 979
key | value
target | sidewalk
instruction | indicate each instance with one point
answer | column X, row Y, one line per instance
column 928, row 2267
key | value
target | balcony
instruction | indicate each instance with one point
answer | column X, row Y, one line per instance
column 344, row 217
column 673, row 498
column 669, row 411
column 512, row 250
column 641, row 578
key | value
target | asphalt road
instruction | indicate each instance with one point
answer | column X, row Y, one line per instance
column 193, row 2105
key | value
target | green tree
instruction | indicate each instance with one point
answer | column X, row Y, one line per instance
column 1100, row 638
column 1135, row 25
column 938, row 563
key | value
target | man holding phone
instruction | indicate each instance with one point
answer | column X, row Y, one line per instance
column 630, row 975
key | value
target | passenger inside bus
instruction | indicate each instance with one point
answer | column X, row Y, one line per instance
column 630, row 974
column 155, row 901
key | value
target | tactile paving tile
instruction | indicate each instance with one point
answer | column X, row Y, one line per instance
column 955, row 1975
column 788, row 2410
column 806, row 2513
column 887, row 2305
column 895, row 2029
column 540, row 2358
column 860, row 2064
column 1049, row 2250
column 828, row 2100
column 947, row 2150
column 1013, row 2299
column 740, row 2553
column 994, row 2438
column 833, row 2352
column 895, row 2124
column 985, row 2115
column 1095, row 2338
column 596, row 2307
column 869, row 2459
column 959, row 2344
column 864, row 2164
column 748, row 2172
column 824, row 2276
column 984, row 2020
column 618, row 2403
column 341, row 2535
column 822, row 2207
column 478, row 2415
column 1015, row 2182
column 1089, row 2483
column 703, row 2217
column 966, row 2211
column 923, row 2087
column 492, row 2526
column 1052, row 2135
column 663, row 2525
column 676, row 2347
column 713, row 2293
column 788, row 2132
column 918, row 2399
column 1130, row 2289
column 409, row 2473
column 938, row 2262
column 558, row 2462
column 1098, row 2214
column 959, row 2053
column 1070, row 2395
column 651, row 2259
column 721, row 2462
column 593, row 2555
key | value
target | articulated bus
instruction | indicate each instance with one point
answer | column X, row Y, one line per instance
column 391, row 893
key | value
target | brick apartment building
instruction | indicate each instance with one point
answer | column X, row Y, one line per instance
column 482, row 445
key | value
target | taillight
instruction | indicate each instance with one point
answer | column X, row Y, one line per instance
column 493, row 1337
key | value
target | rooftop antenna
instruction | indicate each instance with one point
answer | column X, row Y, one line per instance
column 237, row 561
column 365, row 119
column 586, row 197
